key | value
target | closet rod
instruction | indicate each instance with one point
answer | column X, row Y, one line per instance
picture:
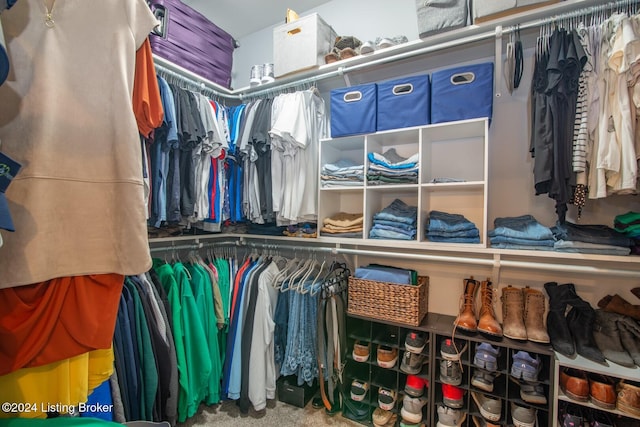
column 495, row 262
column 169, row 68
column 575, row 13
column 451, row 39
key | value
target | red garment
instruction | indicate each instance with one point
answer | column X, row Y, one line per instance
column 58, row 319
column 147, row 104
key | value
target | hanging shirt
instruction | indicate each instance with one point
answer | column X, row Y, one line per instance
column 67, row 117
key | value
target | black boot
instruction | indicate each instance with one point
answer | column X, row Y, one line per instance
column 557, row 326
column 581, row 320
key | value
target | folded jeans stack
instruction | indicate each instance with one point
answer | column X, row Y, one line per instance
column 342, row 173
column 391, row 168
column 521, row 232
column 590, row 239
column 344, row 224
column 398, row 221
column 451, row 228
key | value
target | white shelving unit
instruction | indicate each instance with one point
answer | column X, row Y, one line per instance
column 611, row 370
column 455, row 150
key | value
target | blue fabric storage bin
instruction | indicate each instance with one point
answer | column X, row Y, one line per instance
column 462, row 93
column 404, row 102
column 353, row 110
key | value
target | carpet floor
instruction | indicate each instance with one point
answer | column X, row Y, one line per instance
column 277, row 414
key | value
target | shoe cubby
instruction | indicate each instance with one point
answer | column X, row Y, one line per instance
column 388, row 336
column 452, row 175
column 495, row 355
column 622, row 378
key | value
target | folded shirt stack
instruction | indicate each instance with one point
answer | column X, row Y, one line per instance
column 451, row 228
column 521, row 232
column 391, row 168
column 387, row 274
column 590, row 239
column 398, row 221
column 629, row 224
column 343, row 173
column 344, row 224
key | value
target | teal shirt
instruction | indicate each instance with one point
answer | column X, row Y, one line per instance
column 170, row 285
column 195, row 342
column 203, row 292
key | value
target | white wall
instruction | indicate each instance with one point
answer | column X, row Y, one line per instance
column 511, row 191
column 365, row 20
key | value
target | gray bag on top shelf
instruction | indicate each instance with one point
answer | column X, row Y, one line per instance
column 435, row 16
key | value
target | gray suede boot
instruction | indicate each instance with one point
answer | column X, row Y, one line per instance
column 607, row 337
column 630, row 337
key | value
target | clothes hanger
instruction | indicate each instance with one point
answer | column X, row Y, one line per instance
column 292, row 281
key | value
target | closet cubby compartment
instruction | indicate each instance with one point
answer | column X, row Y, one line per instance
column 452, row 176
column 391, row 336
column 611, row 370
column 504, row 387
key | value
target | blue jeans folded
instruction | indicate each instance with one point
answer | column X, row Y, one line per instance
column 600, row 234
column 398, row 211
column 453, row 234
column 525, row 227
column 388, row 234
column 443, row 221
column 411, row 232
column 521, row 241
column 454, row 239
column 521, row 247
column 396, row 224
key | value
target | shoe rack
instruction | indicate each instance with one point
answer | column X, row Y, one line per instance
column 438, row 328
column 612, row 370
column 376, row 333
column 506, row 388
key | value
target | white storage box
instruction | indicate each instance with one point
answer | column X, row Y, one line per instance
column 301, row 44
column 486, row 10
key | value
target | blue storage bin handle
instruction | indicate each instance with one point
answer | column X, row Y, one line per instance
column 402, row 89
column 353, row 96
column 463, row 78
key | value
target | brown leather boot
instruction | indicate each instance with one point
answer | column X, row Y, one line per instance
column 534, row 316
column 466, row 320
column 513, row 313
column 617, row 304
column 487, row 322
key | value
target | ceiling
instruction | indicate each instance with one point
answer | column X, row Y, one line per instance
column 242, row 17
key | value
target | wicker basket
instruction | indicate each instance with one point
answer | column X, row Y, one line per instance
column 406, row 304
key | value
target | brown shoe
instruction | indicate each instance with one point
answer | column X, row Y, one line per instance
column 466, row 320
column 574, row 383
column 629, row 397
column 487, row 322
column 617, row 304
column 387, row 356
column 602, row 391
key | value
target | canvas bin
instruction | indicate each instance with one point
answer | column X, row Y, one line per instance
column 392, row 302
column 486, row 10
column 301, row 44
column 404, row 103
column 353, row 110
column 437, row 16
column 462, row 93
